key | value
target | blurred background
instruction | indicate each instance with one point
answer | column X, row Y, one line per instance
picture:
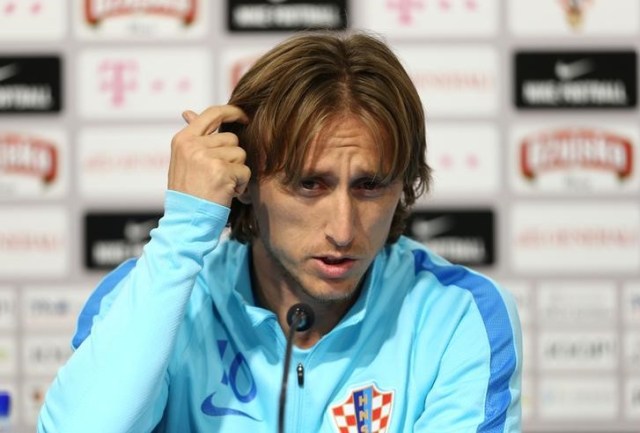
column 533, row 132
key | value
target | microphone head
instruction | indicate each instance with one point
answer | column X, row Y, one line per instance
column 304, row 315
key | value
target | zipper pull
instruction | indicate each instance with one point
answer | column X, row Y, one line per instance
column 300, row 371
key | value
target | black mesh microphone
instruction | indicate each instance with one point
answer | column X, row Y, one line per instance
column 300, row 318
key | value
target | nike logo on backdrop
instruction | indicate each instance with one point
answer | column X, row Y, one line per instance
column 209, row 408
column 8, row 71
column 572, row 70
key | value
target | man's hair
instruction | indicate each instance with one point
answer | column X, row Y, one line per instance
column 311, row 80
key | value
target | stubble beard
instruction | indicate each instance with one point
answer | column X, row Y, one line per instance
column 296, row 285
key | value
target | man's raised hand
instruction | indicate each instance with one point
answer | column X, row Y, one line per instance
column 206, row 163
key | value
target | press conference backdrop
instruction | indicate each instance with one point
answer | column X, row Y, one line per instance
column 533, row 133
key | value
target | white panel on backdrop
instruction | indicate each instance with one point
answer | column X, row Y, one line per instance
column 632, row 351
column 631, row 303
column 522, row 292
column 37, row 20
column 456, row 18
column 8, row 308
column 454, row 81
column 8, row 356
column 34, row 242
column 100, row 20
column 632, row 398
column 578, row 398
column 464, row 157
column 579, row 303
column 33, row 392
column 143, row 83
column 554, row 158
column 120, row 162
column 33, row 162
column 53, row 307
column 547, row 18
column 584, row 238
column 527, row 397
column 578, row 350
column 42, row 355
column 233, row 63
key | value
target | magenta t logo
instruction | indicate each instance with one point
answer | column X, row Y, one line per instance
column 117, row 78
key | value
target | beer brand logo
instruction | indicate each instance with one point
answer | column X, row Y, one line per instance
column 583, row 148
column 365, row 410
column 574, row 10
column 98, row 10
column 29, row 156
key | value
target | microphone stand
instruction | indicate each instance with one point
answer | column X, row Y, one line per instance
column 300, row 317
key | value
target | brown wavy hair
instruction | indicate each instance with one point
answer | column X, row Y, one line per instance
column 311, row 80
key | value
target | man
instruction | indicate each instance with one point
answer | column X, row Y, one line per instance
column 314, row 164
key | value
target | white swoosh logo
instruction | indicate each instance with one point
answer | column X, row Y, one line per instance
column 570, row 71
column 8, row 71
column 426, row 230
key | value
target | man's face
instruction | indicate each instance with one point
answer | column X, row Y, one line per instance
column 319, row 236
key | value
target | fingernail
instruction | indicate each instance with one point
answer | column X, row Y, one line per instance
column 187, row 116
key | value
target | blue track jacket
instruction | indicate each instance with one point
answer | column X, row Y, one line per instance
column 173, row 342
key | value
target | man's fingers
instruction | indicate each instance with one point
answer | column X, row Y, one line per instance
column 211, row 118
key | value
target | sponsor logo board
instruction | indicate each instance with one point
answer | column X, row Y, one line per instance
column 8, row 308
column 286, row 15
column 577, row 18
column 52, row 307
column 111, row 238
column 34, row 241
column 589, row 398
column 631, row 303
column 43, row 355
column 33, row 165
column 454, row 80
column 234, row 62
column 577, row 351
column 587, row 238
column 38, row 20
column 140, row 19
column 454, row 18
column 30, row 84
column 523, row 294
column 143, row 83
column 117, row 162
column 8, row 356
column 464, row 158
column 574, row 159
column 577, row 303
column 460, row 236
column 575, row 79
column 632, row 398
column 632, row 350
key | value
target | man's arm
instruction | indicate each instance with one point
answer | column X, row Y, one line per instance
column 478, row 384
column 115, row 381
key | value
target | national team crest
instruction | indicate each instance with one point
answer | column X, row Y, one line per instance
column 366, row 410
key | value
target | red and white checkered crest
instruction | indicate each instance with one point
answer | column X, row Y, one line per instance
column 365, row 410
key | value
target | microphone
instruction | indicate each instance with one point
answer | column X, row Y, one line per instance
column 300, row 318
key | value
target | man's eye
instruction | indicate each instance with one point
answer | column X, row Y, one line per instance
column 309, row 184
column 371, row 185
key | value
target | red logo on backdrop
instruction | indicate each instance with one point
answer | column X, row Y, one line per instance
column 98, row 10
column 28, row 155
column 406, row 8
column 584, row 148
column 574, row 9
column 239, row 68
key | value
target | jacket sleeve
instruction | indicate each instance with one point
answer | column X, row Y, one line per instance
column 116, row 380
column 477, row 388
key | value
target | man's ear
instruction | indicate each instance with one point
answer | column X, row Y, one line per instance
column 245, row 197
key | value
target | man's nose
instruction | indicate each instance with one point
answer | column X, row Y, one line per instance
column 341, row 219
